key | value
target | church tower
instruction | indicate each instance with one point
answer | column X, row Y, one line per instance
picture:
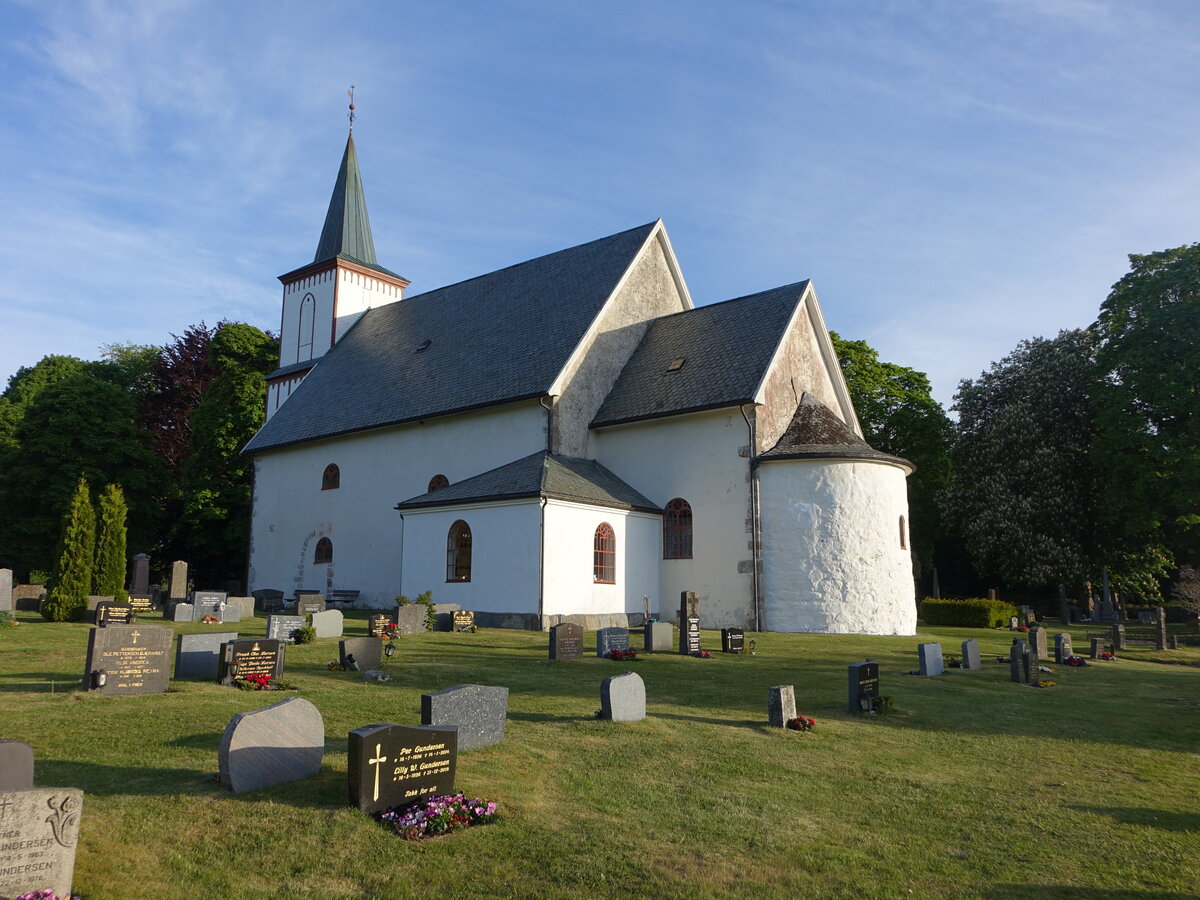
column 323, row 299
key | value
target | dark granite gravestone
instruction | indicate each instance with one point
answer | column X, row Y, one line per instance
column 732, row 640
column 282, row 742
column 970, row 654
column 1015, row 661
column 623, row 698
column 566, row 641
column 268, row 599
column 689, row 622
column 141, row 603
column 1062, row 648
column 16, row 768
column 376, row 625
column 459, row 620
column 282, row 628
column 1031, row 666
column 328, row 623
column 93, row 602
column 1097, row 647
column 113, row 613
column 182, row 612
column 659, row 636
column 478, row 711
column 206, row 600
column 410, row 618
column 253, row 656
column 781, row 705
column 6, row 590
column 1160, row 629
column 360, row 654
column 1038, row 640
column 139, row 582
column 930, row 657
column 610, row 639
column 395, row 765
column 132, row 658
column 307, row 604
column 40, row 831
column 864, row 686
column 1118, row 637
column 199, row 655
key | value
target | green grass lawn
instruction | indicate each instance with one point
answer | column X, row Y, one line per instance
column 974, row 787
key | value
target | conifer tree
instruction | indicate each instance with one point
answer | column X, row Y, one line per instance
column 71, row 581
column 110, row 544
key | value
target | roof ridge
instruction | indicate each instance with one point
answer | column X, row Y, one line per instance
column 717, row 303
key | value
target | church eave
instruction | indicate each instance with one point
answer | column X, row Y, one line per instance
column 836, row 452
column 649, row 417
column 343, row 262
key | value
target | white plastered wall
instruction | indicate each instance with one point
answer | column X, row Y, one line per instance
column 358, row 292
column 832, row 555
column 320, row 285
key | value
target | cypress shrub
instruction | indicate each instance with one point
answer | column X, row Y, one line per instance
column 71, row 580
column 976, row 612
column 110, row 544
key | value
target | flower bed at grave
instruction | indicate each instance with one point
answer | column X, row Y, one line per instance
column 801, row 723
column 389, row 632
column 1077, row 661
column 1107, row 655
column 702, row 654
column 622, row 655
column 1044, row 684
column 262, row 682
column 438, row 814
column 47, row 894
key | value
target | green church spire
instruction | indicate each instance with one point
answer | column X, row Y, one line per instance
column 347, row 231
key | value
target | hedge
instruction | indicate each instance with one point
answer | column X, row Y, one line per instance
column 976, row 612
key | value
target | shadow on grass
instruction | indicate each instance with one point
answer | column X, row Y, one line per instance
column 42, row 682
column 1154, row 818
column 1063, row 892
column 547, row 717
column 757, row 725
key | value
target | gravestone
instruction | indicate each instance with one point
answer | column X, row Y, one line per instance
column 93, row 601
column 732, row 640
column 1031, row 666
column 1172, row 642
column 610, row 639
column 268, row 599
column 461, row 619
column 28, row 596
column 133, row 659
column 1062, row 648
column 1015, row 664
column 182, row 612
column 623, row 698
column 141, row 603
column 6, row 591
column 1118, row 637
column 689, row 623
column 199, row 655
column 1097, row 647
column 1013, row 623
column 479, row 712
column 139, row 582
column 781, row 705
column 1160, row 629
column 864, row 686
column 252, row 656
column 238, row 608
column 930, row 656
column 328, row 623
column 112, row 613
column 16, row 768
column 282, row 628
column 40, row 831
column 360, row 654
column 207, row 603
column 179, row 574
column 659, row 636
column 229, row 612
column 410, row 618
column 566, row 641
column 1038, row 640
column 395, row 765
column 307, row 604
column 278, row 743
column 376, row 626
column 970, row 654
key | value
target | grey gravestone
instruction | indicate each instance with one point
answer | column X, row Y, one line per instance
column 244, row 607
column 623, row 698
column 1172, row 642
column 970, row 654
column 133, row 659
column 16, row 768
column 1062, row 648
column 1160, row 629
column 659, row 636
column 1038, row 640
column 930, row 655
column 253, row 656
column 281, row 742
column 1031, row 666
column 307, row 604
column 689, row 623
column 367, row 653
column 178, row 580
column 229, row 612
column 478, row 710
column 280, row 628
column 732, row 640
column 139, row 583
column 863, row 686
column 206, row 603
column 566, row 641
column 395, row 765
column 1013, row 623
column 328, row 623
column 28, row 596
column 199, row 655
column 410, row 618
column 1097, row 647
column 41, row 831
column 112, row 613
column 1118, row 637
column 460, row 620
column 377, row 624
column 6, row 592
column 94, row 601
column 182, row 612
column 781, row 705
column 1015, row 655
column 610, row 639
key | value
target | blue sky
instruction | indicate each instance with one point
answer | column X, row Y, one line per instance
column 954, row 176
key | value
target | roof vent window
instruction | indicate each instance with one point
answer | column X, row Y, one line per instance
column 676, row 364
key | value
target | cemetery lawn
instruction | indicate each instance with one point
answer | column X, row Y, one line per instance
column 973, row 787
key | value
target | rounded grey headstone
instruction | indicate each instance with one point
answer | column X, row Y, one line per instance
column 623, row 698
column 281, row 742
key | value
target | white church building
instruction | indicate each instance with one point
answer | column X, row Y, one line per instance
column 564, row 438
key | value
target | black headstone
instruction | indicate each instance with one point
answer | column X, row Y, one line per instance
column 133, row 659
column 109, row 612
column 462, row 618
column 732, row 640
column 141, row 603
column 376, row 625
column 863, row 686
column 566, row 641
column 610, row 639
column 689, row 622
column 395, row 765
column 254, row 656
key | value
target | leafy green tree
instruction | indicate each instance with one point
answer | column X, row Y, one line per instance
column 24, row 387
column 110, row 544
column 71, row 582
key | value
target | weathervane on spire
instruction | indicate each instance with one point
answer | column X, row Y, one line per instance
column 350, row 94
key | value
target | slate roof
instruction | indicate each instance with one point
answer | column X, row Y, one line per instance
column 493, row 339
column 815, row 432
column 726, row 348
column 541, row 474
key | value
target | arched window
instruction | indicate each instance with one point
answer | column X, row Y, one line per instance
column 458, row 552
column 604, row 555
column 903, row 534
column 437, row 482
column 331, row 478
column 308, row 326
column 677, row 530
column 324, row 554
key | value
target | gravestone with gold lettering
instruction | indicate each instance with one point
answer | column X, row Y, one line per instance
column 254, row 656
column 395, row 765
column 128, row 659
column 40, row 830
column 109, row 612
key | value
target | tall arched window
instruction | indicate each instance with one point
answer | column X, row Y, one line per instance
column 903, row 534
column 604, row 555
column 437, row 482
column 458, row 552
column 324, row 554
column 331, row 478
column 308, row 326
column 677, row 530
